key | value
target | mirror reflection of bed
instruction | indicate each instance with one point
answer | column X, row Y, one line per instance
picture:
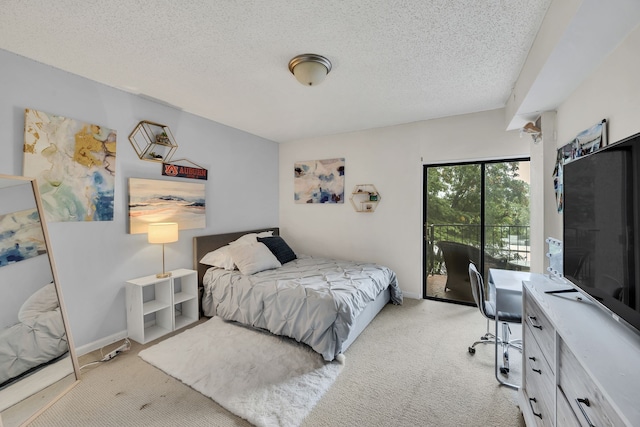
column 36, row 364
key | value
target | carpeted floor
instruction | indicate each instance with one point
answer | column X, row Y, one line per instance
column 410, row 367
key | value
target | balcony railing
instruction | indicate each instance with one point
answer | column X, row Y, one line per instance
column 510, row 242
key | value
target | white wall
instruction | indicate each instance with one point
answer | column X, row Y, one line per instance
column 95, row 258
column 542, row 195
column 392, row 159
column 612, row 92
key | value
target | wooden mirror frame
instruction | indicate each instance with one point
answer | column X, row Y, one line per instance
column 31, row 401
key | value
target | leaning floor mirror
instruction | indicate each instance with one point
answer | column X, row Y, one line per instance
column 37, row 358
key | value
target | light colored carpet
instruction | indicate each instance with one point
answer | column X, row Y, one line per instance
column 268, row 380
column 410, row 367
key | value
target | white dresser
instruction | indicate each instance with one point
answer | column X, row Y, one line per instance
column 580, row 366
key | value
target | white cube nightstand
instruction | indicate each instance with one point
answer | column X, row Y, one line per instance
column 157, row 306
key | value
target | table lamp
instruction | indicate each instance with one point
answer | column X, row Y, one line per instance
column 163, row 232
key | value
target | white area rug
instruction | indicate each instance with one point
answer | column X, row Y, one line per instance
column 267, row 380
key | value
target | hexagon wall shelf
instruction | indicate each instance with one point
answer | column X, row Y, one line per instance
column 365, row 198
column 153, row 142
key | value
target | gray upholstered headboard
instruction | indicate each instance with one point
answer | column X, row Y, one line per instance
column 202, row 245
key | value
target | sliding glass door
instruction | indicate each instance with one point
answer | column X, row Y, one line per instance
column 474, row 212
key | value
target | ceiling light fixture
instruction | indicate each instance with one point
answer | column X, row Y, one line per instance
column 310, row 69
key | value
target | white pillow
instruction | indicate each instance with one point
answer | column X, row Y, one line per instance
column 41, row 301
column 253, row 258
column 220, row 258
column 251, row 238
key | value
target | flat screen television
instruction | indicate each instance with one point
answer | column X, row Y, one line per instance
column 601, row 227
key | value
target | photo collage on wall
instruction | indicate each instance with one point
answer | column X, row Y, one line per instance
column 586, row 142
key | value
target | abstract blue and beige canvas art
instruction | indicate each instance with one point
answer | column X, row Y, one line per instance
column 319, row 181
column 21, row 236
column 152, row 200
column 74, row 164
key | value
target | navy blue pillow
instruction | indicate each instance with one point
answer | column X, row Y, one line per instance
column 279, row 248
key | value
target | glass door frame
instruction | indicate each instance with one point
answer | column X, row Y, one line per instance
column 425, row 226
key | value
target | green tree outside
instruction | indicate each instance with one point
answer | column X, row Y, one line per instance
column 453, row 198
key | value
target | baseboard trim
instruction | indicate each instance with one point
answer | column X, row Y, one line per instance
column 102, row 342
column 411, row 295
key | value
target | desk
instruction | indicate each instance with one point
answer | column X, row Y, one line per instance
column 505, row 291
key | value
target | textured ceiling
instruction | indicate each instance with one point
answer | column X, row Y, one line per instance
column 393, row 61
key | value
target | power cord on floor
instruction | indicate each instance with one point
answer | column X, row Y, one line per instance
column 105, row 358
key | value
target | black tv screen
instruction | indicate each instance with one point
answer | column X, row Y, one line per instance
column 601, row 210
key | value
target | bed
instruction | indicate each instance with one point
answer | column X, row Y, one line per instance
column 324, row 303
column 36, row 339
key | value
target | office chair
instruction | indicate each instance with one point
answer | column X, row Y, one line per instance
column 487, row 309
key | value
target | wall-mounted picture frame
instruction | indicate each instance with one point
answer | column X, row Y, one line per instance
column 586, row 142
column 74, row 163
column 153, row 200
column 319, row 181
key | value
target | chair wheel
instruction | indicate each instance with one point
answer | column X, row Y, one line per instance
column 472, row 350
column 504, row 371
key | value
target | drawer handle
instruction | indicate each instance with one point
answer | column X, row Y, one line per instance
column 537, row 414
column 531, row 320
column 584, row 401
column 533, row 359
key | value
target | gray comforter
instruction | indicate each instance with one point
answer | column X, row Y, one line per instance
column 37, row 338
column 313, row 300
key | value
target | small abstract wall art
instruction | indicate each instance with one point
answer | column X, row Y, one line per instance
column 74, row 164
column 152, row 200
column 319, row 181
column 20, row 236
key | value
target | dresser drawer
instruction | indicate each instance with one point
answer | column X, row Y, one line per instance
column 538, row 380
column 541, row 328
column 564, row 414
column 537, row 406
column 584, row 397
column 536, row 367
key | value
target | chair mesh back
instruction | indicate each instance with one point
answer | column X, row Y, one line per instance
column 477, row 287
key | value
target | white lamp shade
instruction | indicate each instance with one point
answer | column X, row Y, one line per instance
column 163, row 232
column 310, row 73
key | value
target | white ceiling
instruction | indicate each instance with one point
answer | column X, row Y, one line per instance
column 393, row 61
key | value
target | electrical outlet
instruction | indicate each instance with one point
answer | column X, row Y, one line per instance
column 110, row 356
column 124, row 347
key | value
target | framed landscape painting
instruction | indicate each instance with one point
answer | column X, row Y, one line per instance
column 74, row 164
column 152, row 200
column 21, row 236
column 319, row 181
